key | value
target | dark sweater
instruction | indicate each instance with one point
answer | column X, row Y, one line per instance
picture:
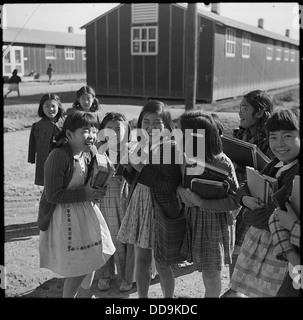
column 259, row 218
column 163, row 179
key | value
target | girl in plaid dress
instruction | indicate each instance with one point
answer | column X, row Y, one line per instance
column 113, row 207
column 209, row 240
column 258, row 273
column 152, row 189
column 256, row 108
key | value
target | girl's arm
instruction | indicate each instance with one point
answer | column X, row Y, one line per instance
column 162, row 177
column 230, row 202
column 32, row 146
column 56, row 167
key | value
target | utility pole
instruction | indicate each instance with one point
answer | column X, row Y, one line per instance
column 191, row 56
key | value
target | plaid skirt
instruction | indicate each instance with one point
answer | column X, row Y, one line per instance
column 113, row 210
column 257, row 272
column 209, row 239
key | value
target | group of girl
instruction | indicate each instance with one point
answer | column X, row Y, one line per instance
column 120, row 226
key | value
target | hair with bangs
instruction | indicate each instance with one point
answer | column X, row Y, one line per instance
column 87, row 90
column 76, row 120
column 195, row 120
column 284, row 119
column 46, row 97
column 115, row 116
column 161, row 108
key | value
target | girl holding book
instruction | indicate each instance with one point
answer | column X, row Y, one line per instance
column 256, row 108
column 75, row 240
column 153, row 187
column 258, row 272
column 209, row 240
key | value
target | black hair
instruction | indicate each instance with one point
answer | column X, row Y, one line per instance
column 218, row 123
column 46, row 97
column 115, row 116
column 284, row 119
column 195, row 120
column 86, row 90
column 161, row 108
column 76, row 120
column 260, row 100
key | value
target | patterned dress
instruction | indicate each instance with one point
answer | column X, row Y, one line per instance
column 113, row 207
column 138, row 224
column 77, row 241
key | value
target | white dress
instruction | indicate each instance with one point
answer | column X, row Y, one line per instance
column 78, row 240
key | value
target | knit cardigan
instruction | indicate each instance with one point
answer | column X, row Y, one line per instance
column 163, row 179
column 58, row 172
column 258, row 218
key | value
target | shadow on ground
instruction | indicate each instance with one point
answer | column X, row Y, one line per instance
column 20, row 232
column 53, row 288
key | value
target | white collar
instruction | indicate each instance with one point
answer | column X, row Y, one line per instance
column 283, row 167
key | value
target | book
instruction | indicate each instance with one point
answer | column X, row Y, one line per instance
column 102, row 170
column 244, row 153
column 260, row 186
column 209, row 189
column 262, row 159
column 295, row 196
column 209, row 172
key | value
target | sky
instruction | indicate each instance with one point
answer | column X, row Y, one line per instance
column 278, row 16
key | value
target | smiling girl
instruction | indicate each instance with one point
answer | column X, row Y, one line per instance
column 43, row 132
column 74, row 238
column 86, row 100
column 153, row 191
column 256, row 108
column 258, row 272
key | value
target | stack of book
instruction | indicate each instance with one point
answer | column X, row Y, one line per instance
column 260, row 185
column 210, row 184
column 244, row 153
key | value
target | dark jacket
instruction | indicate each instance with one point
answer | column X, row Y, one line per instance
column 259, row 218
column 41, row 143
column 163, row 179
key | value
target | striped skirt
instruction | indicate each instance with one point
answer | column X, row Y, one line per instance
column 257, row 272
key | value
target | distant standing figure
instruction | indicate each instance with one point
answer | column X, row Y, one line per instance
column 14, row 81
column 49, row 72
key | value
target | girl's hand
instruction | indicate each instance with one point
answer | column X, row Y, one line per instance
column 252, row 203
column 193, row 198
column 94, row 194
column 286, row 218
column 181, row 192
